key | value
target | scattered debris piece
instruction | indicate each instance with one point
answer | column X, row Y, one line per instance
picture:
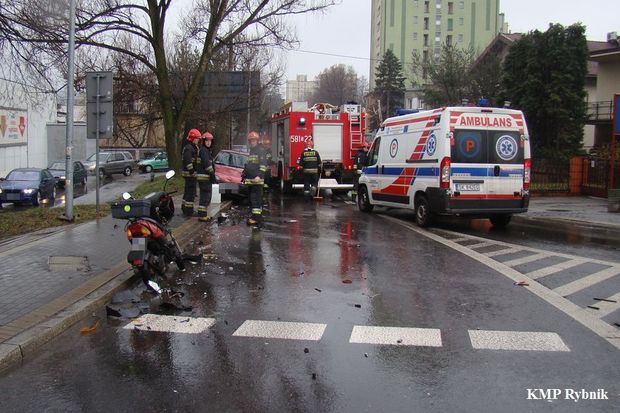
column 319, row 290
column 89, row 330
column 522, row 283
column 306, row 350
column 605, row 299
column 399, row 341
column 617, row 324
column 301, row 273
column 225, row 322
column 346, row 281
column 291, row 221
column 112, row 311
column 155, row 286
column 366, row 355
column 313, row 376
column 358, row 306
column 184, row 321
column 593, row 307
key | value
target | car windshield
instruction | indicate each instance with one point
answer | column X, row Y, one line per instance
column 92, row 158
column 23, row 176
column 57, row 165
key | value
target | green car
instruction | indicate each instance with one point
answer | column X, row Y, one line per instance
column 158, row 161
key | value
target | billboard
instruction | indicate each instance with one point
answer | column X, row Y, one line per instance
column 13, row 127
column 230, row 91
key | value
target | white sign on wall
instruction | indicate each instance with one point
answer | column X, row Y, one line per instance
column 13, row 127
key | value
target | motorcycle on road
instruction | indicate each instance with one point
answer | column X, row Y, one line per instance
column 153, row 247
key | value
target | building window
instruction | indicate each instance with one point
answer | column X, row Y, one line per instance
column 415, row 3
column 450, row 7
column 450, row 24
column 437, row 37
column 461, row 4
column 461, row 21
column 415, row 35
column 415, row 19
column 449, row 40
column 460, row 38
column 424, row 73
column 426, row 6
column 438, row 20
column 426, row 23
column 426, row 40
column 425, row 56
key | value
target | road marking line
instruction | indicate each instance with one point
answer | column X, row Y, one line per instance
column 171, row 324
column 525, row 260
column 508, row 250
column 481, row 244
column 516, row 340
column 599, row 327
column 605, row 307
column 281, row 329
column 396, row 336
column 460, row 239
column 585, row 282
column 543, row 272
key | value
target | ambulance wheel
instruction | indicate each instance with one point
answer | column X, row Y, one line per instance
column 501, row 220
column 363, row 200
column 423, row 215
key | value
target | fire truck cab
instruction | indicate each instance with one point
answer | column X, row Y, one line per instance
column 337, row 132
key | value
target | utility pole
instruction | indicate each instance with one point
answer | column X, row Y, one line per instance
column 69, row 121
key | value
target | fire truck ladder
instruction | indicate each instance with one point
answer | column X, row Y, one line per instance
column 357, row 135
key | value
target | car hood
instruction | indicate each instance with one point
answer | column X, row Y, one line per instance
column 19, row 185
column 57, row 173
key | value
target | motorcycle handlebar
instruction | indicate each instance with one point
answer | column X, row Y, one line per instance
column 171, row 193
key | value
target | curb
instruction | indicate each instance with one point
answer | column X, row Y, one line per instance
column 573, row 221
column 24, row 344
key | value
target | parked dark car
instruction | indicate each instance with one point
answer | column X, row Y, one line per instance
column 28, row 185
column 57, row 169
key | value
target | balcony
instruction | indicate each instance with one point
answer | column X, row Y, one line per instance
column 599, row 112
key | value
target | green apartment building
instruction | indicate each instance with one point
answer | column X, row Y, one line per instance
column 405, row 26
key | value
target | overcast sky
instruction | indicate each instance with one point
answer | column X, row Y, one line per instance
column 345, row 29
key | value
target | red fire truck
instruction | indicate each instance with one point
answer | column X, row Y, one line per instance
column 338, row 133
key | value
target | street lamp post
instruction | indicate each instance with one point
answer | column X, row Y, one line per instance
column 69, row 121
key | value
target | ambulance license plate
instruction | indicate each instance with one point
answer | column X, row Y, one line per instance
column 467, row 187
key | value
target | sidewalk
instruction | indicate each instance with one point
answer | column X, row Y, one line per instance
column 37, row 304
column 39, row 298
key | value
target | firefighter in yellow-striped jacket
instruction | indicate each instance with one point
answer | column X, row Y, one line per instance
column 253, row 176
column 189, row 158
column 310, row 163
column 205, row 173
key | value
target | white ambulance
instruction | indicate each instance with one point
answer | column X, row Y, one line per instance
column 465, row 161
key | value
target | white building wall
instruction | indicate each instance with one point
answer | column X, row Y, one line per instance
column 40, row 109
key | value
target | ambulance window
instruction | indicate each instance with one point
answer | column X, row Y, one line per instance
column 470, row 146
column 373, row 155
column 505, row 147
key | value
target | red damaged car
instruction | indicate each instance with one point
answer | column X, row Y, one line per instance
column 229, row 165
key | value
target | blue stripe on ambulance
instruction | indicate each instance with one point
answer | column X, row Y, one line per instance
column 471, row 171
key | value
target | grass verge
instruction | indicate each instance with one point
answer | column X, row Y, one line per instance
column 175, row 184
column 20, row 222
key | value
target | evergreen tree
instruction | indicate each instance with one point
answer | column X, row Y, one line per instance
column 544, row 75
column 390, row 84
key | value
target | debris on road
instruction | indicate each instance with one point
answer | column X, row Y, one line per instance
column 593, row 307
column 522, row 283
column 112, row 311
column 89, row 330
column 399, row 341
column 313, row 376
column 358, row 306
column 306, row 350
column 155, row 286
column 366, row 355
column 605, row 299
column 319, row 290
column 346, row 281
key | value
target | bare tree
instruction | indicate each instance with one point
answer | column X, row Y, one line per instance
column 31, row 30
column 336, row 85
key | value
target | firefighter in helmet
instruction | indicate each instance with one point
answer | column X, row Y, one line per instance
column 358, row 164
column 310, row 163
column 266, row 142
column 205, row 174
column 190, row 161
column 253, row 176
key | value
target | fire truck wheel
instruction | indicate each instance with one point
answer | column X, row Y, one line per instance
column 423, row 215
column 363, row 200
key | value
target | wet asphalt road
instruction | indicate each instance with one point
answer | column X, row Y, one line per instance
column 297, row 269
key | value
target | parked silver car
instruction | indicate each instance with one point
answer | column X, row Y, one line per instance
column 111, row 163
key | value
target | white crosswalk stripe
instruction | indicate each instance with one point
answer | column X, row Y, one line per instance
column 170, row 324
column 606, row 307
column 396, row 336
column 502, row 252
column 525, row 260
column 588, row 281
column 481, row 244
column 281, row 329
column 516, row 341
column 552, row 269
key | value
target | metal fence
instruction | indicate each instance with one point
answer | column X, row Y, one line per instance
column 596, row 174
column 550, row 176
